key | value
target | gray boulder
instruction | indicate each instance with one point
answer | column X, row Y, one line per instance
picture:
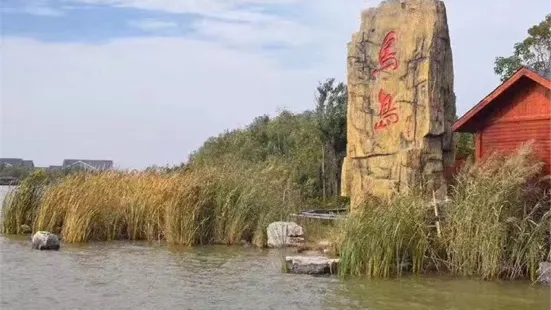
column 544, row 273
column 312, row 265
column 282, row 234
column 44, row 240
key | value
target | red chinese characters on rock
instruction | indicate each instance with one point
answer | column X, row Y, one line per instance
column 387, row 112
column 387, row 55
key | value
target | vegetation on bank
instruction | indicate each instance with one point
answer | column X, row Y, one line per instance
column 226, row 205
column 496, row 225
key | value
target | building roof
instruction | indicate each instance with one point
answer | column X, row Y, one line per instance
column 466, row 122
column 87, row 163
column 12, row 162
column 17, row 163
column 28, row 164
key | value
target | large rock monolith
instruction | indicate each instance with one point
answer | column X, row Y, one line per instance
column 401, row 103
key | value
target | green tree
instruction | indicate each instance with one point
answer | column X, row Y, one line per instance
column 310, row 145
column 534, row 52
column 331, row 105
column 465, row 144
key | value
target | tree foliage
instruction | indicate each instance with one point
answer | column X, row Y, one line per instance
column 465, row 144
column 331, row 104
column 533, row 52
column 311, row 145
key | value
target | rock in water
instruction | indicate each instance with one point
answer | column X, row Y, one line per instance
column 314, row 265
column 25, row 229
column 401, row 103
column 544, row 273
column 282, row 234
column 43, row 240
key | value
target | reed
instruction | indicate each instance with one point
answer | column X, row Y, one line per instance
column 21, row 205
column 498, row 223
column 496, row 226
column 386, row 238
column 224, row 204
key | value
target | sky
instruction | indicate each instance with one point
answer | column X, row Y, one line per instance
column 146, row 82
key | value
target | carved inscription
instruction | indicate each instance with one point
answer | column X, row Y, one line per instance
column 387, row 55
column 387, row 111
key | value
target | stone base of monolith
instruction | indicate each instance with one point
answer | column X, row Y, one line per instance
column 401, row 103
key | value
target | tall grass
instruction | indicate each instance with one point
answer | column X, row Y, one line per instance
column 496, row 226
column 21, row 205
column 225, row 204
column 386, row 237
column 498, row 223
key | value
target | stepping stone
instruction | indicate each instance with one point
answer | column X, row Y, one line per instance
column 313, row 265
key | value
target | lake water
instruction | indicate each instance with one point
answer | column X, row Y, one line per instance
column 123, row 275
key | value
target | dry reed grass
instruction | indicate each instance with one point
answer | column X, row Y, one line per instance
column 498, row 223
column 199, row 206
column 20, row 206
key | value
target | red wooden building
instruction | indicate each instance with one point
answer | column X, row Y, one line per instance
column 517, row 111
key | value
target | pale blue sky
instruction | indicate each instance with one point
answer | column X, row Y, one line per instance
column 145, row 82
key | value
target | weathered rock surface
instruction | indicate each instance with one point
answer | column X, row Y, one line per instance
column 544, row 273
column 401, row 103
column 314, row 265
column 43, row 240
column 25, row 229
column 282, row 234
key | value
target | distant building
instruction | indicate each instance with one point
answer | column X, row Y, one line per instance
column 79, row 164
column 86, row 164
column 28, row 164
column 54, row 168
column 16, row 163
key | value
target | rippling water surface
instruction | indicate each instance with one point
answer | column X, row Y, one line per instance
column 123, row 275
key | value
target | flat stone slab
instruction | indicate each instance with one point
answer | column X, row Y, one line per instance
column 313, row 265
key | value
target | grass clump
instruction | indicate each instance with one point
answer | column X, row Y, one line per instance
column 496, row 225
column 386, row 237
column 21, row 205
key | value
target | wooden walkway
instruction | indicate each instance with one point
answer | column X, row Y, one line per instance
column 332, row 214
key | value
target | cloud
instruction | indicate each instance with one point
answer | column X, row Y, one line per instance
column 153, row 24
column 201, row 7
column 37, row 10
column 279, row 32
column 137, row 101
